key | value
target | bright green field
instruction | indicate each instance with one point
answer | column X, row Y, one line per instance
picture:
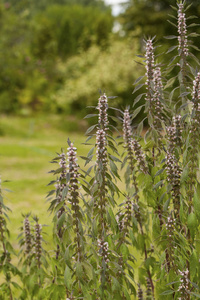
column 27, row 145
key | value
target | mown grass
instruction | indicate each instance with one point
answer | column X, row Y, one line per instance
column 27, row 145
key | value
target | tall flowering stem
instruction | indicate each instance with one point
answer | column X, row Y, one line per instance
column 194, row 138
column 157, row 104
column 102, row 161
column 173, row 177
column 28, row 237
column 182, row 42
column 38, row 243
column 73, row 198
column 61, row 184
column 103, row 115
column 184, row 285
column 150, row 65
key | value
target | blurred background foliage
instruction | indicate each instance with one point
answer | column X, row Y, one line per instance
column 55, row 55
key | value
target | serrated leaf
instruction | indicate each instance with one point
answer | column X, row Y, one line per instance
column 68, row 278
column 137, row 111
column 137, row 99
column 138, row 79
column 90, row 116
column 90, row 129
column 171, row 49
column 61, row 221
column 168, row 292
column 114, row 158
column 194, row 34
column 170, row 37
column 170, row 82
column 139, row 86
column 159, row 172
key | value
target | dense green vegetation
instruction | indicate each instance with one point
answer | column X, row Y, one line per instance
column 57, row 49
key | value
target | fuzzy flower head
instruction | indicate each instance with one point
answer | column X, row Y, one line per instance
column 103, row 250
column 61, row 181
column 149, row 55
column 196, row 92
column 157, row 96
column 27, row 235
column 103, row 116
column 140, row 157
column 101, row 151
column 171, row 136
column 127, row 131
column 170, row 227
column 182, row 30
column 73, row 171
column 127, row 134
column 173, row 177
column 178, row 129
column 38, row 243
column 184, row 284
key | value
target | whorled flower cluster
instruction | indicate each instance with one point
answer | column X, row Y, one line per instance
column 157, row 96
column 148, row 289
column 27, row 235
column 182, row 31
column 140, row 293
column 101, row 151
column 149, row 55
column 184, row 284
column 173, row 177
column 170, row 229
column 103, row 116
column 73, row 174
column 196, row 103
column 194, row 137
column 73, row 197
column 127, row 134
column 103, row 250
column 61, row 182
column 38, row 243
column 124, row 217
column 171, row 137
column 196, row 91
column 140, row 157
column 178, row 129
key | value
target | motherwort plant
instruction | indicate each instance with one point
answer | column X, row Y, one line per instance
column 126, row 221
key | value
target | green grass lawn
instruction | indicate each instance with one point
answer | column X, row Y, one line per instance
column 27, row 145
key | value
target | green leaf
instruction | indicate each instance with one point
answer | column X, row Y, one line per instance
column 68, row 278
column 137, row 99
column 138, row 80
column 170, row 37
column 196, row 201
column 136, row 111
column 90, row 116
column 171, row 49
column 90, row 129
column 124, row 251
column 114, row 158
column 88, row 270
column 192, row 223
column 193, row 263
column 138, row 87
column 168, row 292
column 79, row 271
column 170, row 82
column 61, row 221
